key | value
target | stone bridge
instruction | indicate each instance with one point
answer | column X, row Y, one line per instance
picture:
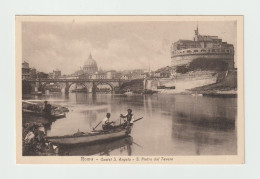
column 90, row 84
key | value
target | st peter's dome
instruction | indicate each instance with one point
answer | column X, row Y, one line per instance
column 90, row 65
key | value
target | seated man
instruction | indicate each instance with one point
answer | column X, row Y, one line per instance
column 47, row 108
column 106, row 124
column 129, row 117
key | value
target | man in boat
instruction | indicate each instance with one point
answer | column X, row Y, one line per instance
column 129, row 117
column 47, row 108
column 106, row 124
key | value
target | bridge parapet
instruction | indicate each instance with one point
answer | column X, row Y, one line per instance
column 76, row 80
column 92, row 83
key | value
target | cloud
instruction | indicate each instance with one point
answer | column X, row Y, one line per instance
column 48, row 45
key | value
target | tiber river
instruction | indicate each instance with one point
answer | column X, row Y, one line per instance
column 171, row 124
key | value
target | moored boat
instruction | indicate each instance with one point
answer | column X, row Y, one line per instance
column 36, row 93
column 37, row 109
column 80, row 90
column 128, row 92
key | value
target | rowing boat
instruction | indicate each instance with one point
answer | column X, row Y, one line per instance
column 52, row 116
column 94, row 136
column 37, row 109
column 91, row 137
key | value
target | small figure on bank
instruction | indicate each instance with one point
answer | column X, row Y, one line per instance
column 129, row 117
column 106, row 124
column 47, row 108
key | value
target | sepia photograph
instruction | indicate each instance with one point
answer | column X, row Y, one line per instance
column 129, row 89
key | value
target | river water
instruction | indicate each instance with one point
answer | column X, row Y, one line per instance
column 171, row 124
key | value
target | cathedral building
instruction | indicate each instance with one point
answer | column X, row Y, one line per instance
column 90, row 66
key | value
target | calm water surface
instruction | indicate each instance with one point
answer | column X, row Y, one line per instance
column 171, row 124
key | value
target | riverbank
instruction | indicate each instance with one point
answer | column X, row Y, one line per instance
column 223, row 88
column 34, row 141
column 211, row 93
column 34, row 127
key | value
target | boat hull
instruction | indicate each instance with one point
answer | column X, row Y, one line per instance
column 88, row 138
column 53, row 116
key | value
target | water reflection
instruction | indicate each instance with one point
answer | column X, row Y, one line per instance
column 171, row 124
column 123, row 145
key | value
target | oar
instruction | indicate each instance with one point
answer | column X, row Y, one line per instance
column 138, row 119
column 137, row 144
column 96, row 125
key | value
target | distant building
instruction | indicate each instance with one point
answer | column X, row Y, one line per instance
column 25, row 65
column 139, row 76
column 90, row 65
column 118, row 75
column 56, row 73
column 42, row 75
column 33, row 73
column 85, row 76
column 111, row 74
column 126, row 77
column 210, row 48
column 25, row 70
column 50, row 75
column 138, row 71
column 99, row 75
column 89, row 69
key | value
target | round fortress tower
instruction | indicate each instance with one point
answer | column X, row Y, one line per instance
column 202, row 47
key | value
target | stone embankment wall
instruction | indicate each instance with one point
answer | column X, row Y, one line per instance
column 194, row 80
column 183, row 82
column 226, row 80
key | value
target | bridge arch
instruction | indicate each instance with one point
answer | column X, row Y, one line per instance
column 42, row 85
column 68, row 85
column 104, row 83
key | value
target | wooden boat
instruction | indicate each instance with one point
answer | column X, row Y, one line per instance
column 169, row 87
column 150, row 92
column 103, row 148
column 81, row 90
column 161, row 87
column 128, row 92
column 37, row 109
column 92, row 137
column 36, row 93
column 52, row 116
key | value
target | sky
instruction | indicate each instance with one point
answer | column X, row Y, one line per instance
column 47, row 46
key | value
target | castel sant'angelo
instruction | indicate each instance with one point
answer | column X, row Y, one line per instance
column 206, row 47
column 199, row 63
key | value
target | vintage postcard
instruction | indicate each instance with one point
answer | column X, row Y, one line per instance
column 129, row 90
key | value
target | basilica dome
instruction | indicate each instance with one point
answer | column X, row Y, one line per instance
column 90, row 65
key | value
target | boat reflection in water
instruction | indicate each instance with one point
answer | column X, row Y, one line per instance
column 102, row 148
